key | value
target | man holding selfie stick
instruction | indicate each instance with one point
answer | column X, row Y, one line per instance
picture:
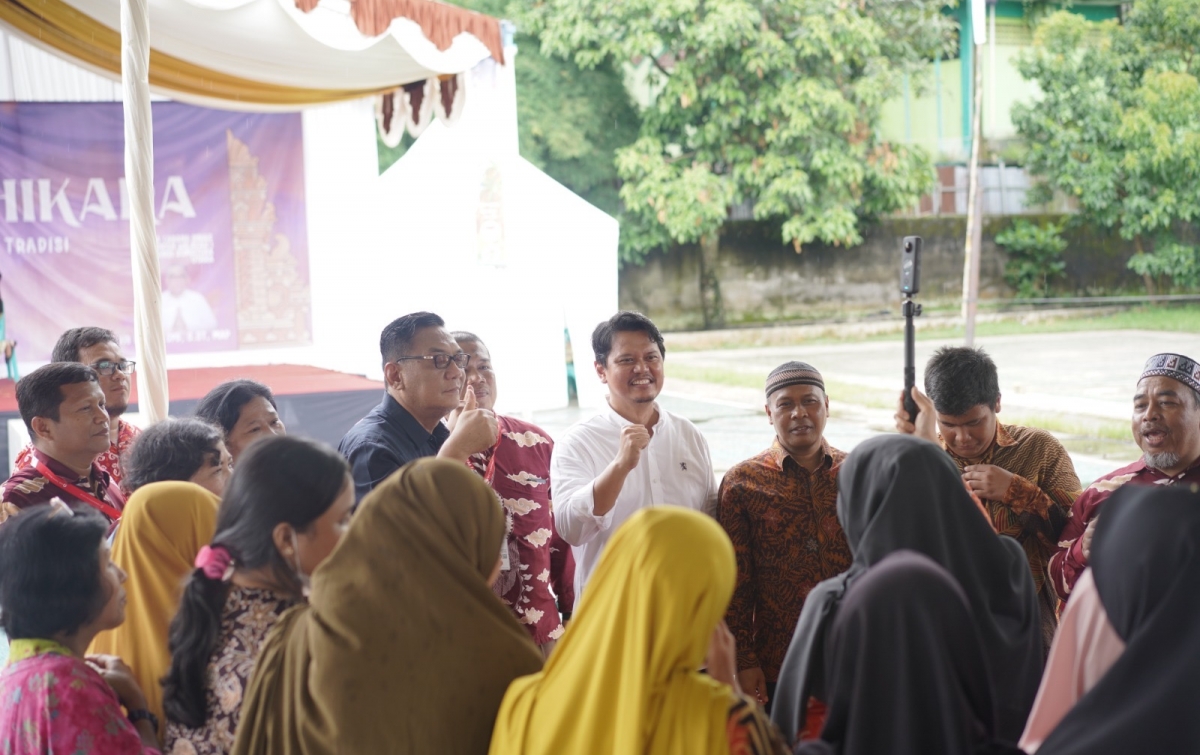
column 1023, row 475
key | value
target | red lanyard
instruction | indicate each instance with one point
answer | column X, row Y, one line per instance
column 108, row 510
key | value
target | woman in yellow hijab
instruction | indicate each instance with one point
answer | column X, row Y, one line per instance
column 162, row 528
column 403, row 647
column 624, row 679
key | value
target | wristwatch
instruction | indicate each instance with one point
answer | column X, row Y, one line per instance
column 141, row 714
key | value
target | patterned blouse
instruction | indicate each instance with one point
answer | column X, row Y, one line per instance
column 518, row 469
column 249, row 614
column 751, row 732
column 53, row 702
column 783, row 522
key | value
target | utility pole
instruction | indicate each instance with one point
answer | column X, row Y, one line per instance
column 974, row 241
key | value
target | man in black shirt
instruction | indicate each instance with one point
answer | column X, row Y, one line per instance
column 423, row 370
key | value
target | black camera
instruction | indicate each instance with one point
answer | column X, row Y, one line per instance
column 910, row 266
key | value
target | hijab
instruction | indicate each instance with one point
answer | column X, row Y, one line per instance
column 906, row 667
column 624, row 677
column 899, row 492
column 1085, row 648
column 403, row 647
column 162, row 528
column 1145, row 560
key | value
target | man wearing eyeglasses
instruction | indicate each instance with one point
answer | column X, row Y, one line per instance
column 425, row 412
column 99, row 349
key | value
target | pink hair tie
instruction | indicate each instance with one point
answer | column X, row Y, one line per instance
column 216, row 563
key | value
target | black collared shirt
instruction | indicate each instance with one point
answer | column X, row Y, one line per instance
column 385, row 440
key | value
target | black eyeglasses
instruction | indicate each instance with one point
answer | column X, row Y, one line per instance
column 442, row 361
column 106, row 367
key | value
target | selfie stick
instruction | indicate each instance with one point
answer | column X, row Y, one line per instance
column 910, row 284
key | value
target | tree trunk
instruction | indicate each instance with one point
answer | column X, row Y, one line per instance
column 710, row 283
column 1146, row 277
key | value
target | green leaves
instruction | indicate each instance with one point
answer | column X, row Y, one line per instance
column 1118, row 126
column 1034, row 256
column 770, row 102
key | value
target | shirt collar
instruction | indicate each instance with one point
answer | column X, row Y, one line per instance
column 98, row 475
column 620, row 421
column 402, row 420
column 780, row 456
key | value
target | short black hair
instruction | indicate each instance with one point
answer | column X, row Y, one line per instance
column 50, row 581
column 623, row 322
column 959, row 378
column 174, row 449
column 39, row 394
column 222, row 406
column 76, row 340
column 396, row 339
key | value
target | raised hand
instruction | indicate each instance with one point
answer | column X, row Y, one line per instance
column 634, row 440
column 926, row 424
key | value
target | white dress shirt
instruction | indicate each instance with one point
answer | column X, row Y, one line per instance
column 674, row 469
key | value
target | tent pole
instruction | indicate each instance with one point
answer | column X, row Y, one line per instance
column 139, row 176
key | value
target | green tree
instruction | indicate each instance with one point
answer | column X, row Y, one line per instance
column 1034, row 256
column 772, row 103
column 1118, row 127
column 570, row 120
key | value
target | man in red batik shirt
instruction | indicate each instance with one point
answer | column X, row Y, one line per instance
column 63, row 408
column 98, row 349
column 518, row 469
column 1166, row 426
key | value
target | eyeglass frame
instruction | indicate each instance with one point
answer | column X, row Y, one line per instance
column 113, row 367
column 461, row 356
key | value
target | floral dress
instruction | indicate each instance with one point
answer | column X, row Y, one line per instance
column 249, row 614
column 54, row 702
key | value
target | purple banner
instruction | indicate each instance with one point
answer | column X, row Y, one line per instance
column 229, row 208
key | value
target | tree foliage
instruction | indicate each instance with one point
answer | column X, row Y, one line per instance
column 570, row 120
column 1034, row 256
column 1118, row 127
column 767, row 102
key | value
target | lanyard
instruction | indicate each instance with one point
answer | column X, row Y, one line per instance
column 107, row 509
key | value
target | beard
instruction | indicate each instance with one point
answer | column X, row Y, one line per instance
column 1161, row 460
column 116, row 410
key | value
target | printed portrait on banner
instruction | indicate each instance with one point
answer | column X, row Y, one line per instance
column 228, row 209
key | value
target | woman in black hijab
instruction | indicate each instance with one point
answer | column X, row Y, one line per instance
column 1146, row 562
column 906, row 668
column 898, row 492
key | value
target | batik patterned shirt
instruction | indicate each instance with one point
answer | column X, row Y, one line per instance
column 783, row 522
column 751, row 732
column 109, row 461
column 1037, row 503
column 518, row 469
column 248, row 615
column 1068, row 561
column 29, row 487
column 52, row 702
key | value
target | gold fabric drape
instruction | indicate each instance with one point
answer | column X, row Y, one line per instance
column 77, row 35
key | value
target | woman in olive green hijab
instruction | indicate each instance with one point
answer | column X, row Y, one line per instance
column 403, row 647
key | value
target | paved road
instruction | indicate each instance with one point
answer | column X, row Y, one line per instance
column 1087, row 374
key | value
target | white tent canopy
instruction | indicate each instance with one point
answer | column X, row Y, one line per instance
column 263, row 54
column 381, row 246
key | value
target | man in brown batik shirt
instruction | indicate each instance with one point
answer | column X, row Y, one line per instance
column 780, row 510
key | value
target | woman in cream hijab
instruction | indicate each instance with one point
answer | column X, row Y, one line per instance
column 163, row 527
column 403, row 647
column 624, row 679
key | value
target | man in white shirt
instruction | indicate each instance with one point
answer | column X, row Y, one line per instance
column 631, row 455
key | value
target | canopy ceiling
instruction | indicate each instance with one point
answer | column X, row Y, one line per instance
column 268, row 54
